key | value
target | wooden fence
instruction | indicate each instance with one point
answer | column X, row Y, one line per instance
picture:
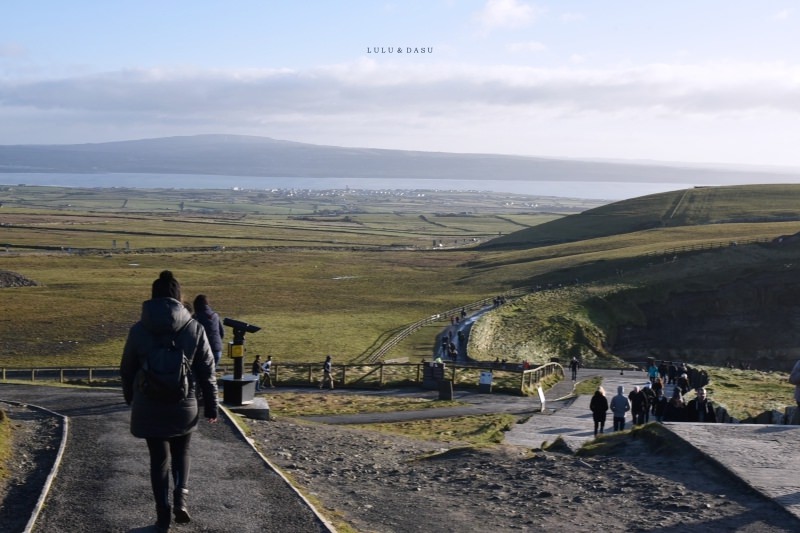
column 511, row 380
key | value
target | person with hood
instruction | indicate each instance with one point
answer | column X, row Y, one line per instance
column 650, row 394
column 675, row 410
column 167, row 423
column 683, row 383
column 599, row 407
column 619, row 406
column 204, row 314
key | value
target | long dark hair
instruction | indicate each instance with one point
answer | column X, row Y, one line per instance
column 200, row 303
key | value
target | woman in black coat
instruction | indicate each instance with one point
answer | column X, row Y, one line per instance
column 167, row 424
column 599, row 407
column 204, row 314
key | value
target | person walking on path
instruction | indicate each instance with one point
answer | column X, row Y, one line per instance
column 327, row 373
column 639, row 406
column 212, row 325
column 256, row 371
column 619, row 406
column 599, row 407
column 267, row 368
column 573, row 366
column 167, row 423
column 700, row 408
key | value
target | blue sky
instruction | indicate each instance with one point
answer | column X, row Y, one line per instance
column 689, row 81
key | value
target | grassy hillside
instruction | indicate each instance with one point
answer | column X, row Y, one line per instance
column 671, row 275
column 696, row 275
column 690, row 207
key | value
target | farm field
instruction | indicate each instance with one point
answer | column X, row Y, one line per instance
column 321, row 273
column 340, row 273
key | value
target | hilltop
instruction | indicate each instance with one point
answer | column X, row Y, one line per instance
column 689, row 207
column 704, row 275
column 237, row 155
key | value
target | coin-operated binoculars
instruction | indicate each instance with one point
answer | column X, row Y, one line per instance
column 238, row 389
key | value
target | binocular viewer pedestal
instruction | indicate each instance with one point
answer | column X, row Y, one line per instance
column 239, row 395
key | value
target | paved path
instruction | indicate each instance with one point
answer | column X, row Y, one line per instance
column 103, row 485
column 573, row 423
column 766, row 457
column 763, row 456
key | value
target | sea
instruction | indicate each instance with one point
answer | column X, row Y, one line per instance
column 590, row 190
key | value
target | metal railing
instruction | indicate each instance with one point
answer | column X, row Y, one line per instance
column 508, row 379
column 397, row 338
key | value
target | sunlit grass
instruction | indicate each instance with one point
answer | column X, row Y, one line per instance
column 5, row 443
column 293, row 404
column 476, row 430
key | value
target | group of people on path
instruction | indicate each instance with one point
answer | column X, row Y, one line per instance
column 642, row 402
column 262, row 372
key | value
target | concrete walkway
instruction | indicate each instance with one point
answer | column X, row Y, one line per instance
column 763, row 456
column 573, row 423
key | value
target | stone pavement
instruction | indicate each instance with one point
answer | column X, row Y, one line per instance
column 573, row 423
column 763, row 456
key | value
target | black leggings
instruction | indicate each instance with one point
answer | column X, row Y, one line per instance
column 160, row 452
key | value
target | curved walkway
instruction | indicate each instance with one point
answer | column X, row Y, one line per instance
column 103, row 482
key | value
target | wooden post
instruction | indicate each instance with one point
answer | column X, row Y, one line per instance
column 61, row 376
column 380, row 379
column 90, row 375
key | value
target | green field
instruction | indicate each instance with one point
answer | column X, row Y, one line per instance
column 321, row 273
column 341, row 272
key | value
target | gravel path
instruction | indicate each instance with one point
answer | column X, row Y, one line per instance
column 103, row 482
column 376, row 482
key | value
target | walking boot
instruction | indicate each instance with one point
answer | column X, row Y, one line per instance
column 163, row 519
column 179, row 506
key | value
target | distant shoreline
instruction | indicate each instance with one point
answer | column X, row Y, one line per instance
column 593, row 190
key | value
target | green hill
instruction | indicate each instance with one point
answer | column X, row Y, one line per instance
column 706, row 275
column 690, row 207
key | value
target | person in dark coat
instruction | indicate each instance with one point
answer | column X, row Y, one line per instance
column 675, row 410
column 167, row 425
column 204, row 314
column 599, row 407
column 700, row 408
column 639, row 405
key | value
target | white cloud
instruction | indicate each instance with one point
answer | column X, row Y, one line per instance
column 572, row 17
column 529, row 46
column 497, row 14
column 783, row 14
column 458, row 107
column 367, row 86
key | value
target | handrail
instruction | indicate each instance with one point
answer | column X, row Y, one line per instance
column 352, row 375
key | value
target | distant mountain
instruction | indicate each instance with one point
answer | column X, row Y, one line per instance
column 236, row 155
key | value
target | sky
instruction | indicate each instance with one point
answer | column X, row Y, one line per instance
column 701, row 81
